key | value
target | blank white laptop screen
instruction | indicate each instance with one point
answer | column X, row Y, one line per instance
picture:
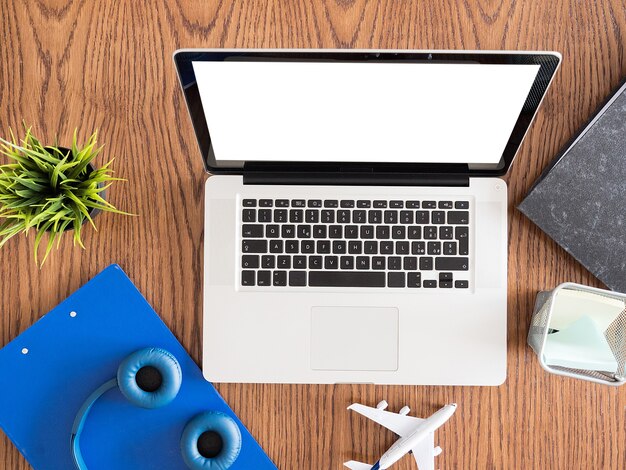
column 362, row 112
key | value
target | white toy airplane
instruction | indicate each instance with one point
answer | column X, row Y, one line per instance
column 416, row 435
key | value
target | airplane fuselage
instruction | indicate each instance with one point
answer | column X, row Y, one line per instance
column 403, row 445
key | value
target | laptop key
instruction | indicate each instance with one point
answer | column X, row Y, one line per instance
column 462, row 235
column 295, row 216
column 280, row 215
column 249, row 203
column 378, row 262
column 343, row 217
column 331, row 203
column 268, row 261
column 445, row 204
column 346, row 204
column 288, row 231
column 429, row 284
column 458, row 217
column 438, row 217
column 346, row 262
column 396, row 280
column 331, row 262
column 430, row 232
column 406, row 217
column 335, row 231
column 314, row 203
column 280, row 278
column 382, row 232
column 328, row 217
column 402, row 248
column 266, row 203
column 312, row 216
column 461, row 205
column 352, row 231
column 359, row 217
column 410, row 263
column 315, row 262
column 394, row 263
column 396, row 204
column 434, row 248
column 355, row 247
column 429, row 205
column 380, row 204
column 284, row 262
column 254, row 246
column 364, row 204
column 298, row 203
column 346, row 279
column 448, row 263
column 282, row 202
column 299, row 262
column 398, row 232
column 418, row 248
column 449, row 248
column 247, row 278
column 461, row 284
column 276, row 246
column 367, row 231
column 414, row 280
column 412, row 204
column 446, row 232
column 445, row 284
column 370, row 248
column 386, row 247
column 415, row 232
column 250, row 261
column 265, row 215
column 445, row 276
column 319, row 231
column 248, row 215
column 304, row 231
column 391, row 217
column 307, row 246
column 251, row 231
column 264, row 278
column 297, row 278
column 375, row 217
column 362, row 262
column 323, row 247
column 426, row 263
column 339, row 247
column 272, row 231
column 422, row 217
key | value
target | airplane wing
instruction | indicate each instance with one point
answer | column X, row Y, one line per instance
column 401, row 425
column 424, row 453
column 354, row 465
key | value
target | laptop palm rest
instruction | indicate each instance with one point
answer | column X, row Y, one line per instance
column 354, row 338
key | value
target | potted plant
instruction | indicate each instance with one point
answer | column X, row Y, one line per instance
column 51, row 189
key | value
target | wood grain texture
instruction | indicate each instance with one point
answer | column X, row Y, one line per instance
column 107, row 65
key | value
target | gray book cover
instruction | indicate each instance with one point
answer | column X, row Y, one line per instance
column 580, row 200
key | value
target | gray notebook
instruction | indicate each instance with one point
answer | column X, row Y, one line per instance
column 580, row 200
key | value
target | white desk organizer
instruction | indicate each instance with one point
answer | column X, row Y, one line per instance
column 580, row 331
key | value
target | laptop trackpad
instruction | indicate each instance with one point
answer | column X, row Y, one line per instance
column 354, row 338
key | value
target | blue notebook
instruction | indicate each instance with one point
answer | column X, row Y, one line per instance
column 50, row 369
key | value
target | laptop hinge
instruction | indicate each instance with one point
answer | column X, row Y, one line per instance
column 355, row 179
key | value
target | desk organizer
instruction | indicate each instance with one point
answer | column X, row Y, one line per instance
column 50, row 369
column 580, row 331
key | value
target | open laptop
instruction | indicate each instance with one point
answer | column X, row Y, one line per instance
column 356, row 227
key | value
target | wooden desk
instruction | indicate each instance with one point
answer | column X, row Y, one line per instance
column 107, row 65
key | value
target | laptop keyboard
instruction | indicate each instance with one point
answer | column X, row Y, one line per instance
column 355, row 243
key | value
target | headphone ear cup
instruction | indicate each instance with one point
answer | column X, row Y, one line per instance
column 150, row 377
column 210, row 441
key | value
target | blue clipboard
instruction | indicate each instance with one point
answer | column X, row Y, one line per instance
column 50, row 369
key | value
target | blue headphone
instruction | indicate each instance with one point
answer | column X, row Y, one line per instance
column 151, row 378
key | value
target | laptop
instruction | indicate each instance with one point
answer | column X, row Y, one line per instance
column 355, row 221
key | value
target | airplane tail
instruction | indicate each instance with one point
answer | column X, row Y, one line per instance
column 354, row 465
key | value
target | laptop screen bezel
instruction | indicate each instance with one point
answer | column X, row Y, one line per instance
column 548, row 64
